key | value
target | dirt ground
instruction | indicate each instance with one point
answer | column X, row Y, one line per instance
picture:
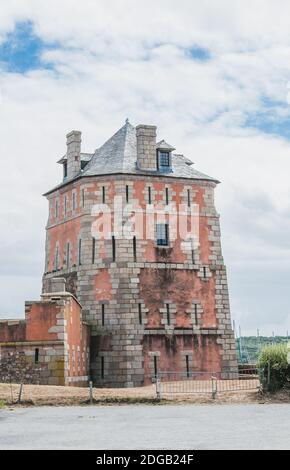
column 40, row 395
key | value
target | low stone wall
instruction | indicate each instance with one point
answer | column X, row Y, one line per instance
column 18, row 365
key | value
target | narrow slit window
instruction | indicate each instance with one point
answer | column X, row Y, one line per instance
column 134, row 249
column 127, row 193
column 192, row 256
column 187, row 366
column 56, row 209
column 149, row 195
column 188, row 198
column 195, row 313
column 103, row 314
column 168, row 313
column 113, row 248
column 103, row 194
column 93, row 249
column 140, row 314
column 155, row 366
column 65, row 170
column 102, row 367
column 36, row 356
column 204, row 272
column 167, row 196
column 83, row 197
column 80, row 251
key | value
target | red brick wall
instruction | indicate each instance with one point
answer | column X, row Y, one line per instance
column 204, row 348
column 69, row 230
column 40, row 317
column 77, row 339
column 12, row 331
column 181, row 287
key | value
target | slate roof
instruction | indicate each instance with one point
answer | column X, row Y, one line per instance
column 85, row 157
column 119, row 155
column 164, row 146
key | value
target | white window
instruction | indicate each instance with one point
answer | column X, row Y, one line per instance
column 162, row 234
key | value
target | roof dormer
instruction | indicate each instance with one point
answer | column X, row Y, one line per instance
column 164, row 156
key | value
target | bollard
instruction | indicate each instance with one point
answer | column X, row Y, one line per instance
column 91, row 392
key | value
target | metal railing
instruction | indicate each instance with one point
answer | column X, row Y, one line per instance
column 206, row 383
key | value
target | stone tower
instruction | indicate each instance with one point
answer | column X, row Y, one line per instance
column 155, row 297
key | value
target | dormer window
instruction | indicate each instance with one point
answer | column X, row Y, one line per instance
column 164, row 156
column 164, row 159
column 65, row 170
column 83, row 164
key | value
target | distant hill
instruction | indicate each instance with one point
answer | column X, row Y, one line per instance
column 248, row 347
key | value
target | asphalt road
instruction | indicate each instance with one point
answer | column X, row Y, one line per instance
column 147, row 427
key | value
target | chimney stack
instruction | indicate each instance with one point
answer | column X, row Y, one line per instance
column 73, row 142
column 146, row 147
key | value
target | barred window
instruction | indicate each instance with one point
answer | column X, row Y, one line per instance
column 164, row 159
column 162, row 234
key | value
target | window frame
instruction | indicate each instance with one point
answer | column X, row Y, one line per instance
column 162, row 154
column 162, row 241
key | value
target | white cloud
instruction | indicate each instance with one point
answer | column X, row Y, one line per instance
column 125, row 59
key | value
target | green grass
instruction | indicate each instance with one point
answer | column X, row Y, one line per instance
column 252, row 346
column 2, row 404
column 275, row 355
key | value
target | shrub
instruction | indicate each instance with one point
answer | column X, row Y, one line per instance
column 274, row 368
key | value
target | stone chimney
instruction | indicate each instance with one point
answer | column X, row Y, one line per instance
column 73, row 142
column 146, row 147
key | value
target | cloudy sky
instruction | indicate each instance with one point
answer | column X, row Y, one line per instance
column 214, row 76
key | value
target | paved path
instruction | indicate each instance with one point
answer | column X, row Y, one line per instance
column 147, row 427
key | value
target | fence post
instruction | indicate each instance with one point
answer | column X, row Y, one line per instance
column 91, row 392
column 158, row 388
column 20, row 393
column 213, row 387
